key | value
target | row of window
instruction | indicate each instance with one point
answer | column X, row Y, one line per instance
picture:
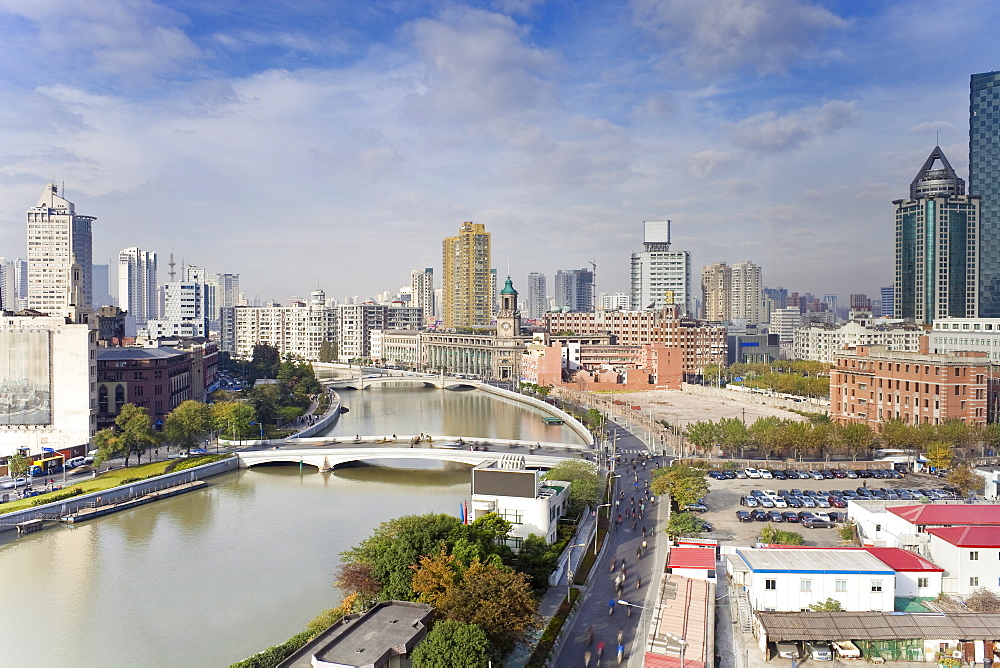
column 839, row 585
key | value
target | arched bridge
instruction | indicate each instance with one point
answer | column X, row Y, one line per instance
column 326, row 459
column 427, row 380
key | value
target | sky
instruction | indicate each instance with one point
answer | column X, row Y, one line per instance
column 309, row 143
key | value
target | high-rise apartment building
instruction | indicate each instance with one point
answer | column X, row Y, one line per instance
column 936, row 246
column 888, row 305
column 715, row 291
column 747, row 290
column 538, row 302
column 574, row 290
column 660, row 277
column 984, row 183
column 618, row 301
column 422, row 292
column 185, row 312
column 298, row 329
column 137, row 284
column 13, row 284
column 58, row 238
column 468, row 282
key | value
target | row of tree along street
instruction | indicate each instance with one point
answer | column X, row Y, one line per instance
column 802, row 378
column 820, row 439
column 486, row 597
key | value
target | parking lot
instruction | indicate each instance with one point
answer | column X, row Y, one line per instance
column 723, row 501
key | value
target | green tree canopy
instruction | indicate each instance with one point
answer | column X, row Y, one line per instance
column 135, row 432
column 453, row 644
column 683, row 524
column 17, row 465
column 772, row 535
column 585, row 486
column 187, row 425
column 829, row 605
column 965, row 481
column 685, row 484
column 232, row 419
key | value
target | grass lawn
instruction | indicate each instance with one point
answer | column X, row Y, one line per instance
column 101, row 482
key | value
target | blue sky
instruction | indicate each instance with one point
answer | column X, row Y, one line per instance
column 335, row 144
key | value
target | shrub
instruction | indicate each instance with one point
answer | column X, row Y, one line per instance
column 274, row 655
column 199, row 461
column 61, row 496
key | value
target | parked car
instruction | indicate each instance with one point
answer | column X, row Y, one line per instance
column 776, row 516
column 764, row 473
column 805, row 515
column 837, row 516
column 752, row 473
column 819, row 650
column 749, row 501
column 816, row 475
column 696, row 507
column 836, row 503
column 788, row 650
column 822, row 516
column 793, row 501
column 717, row 475
column 730, row 475
column 759, row 515
column 778, row 474
column 816, row 523
column 743, row 516
column 765, row 502
column 741, row 474
column 790, row 516
column 779, row 502
column 850, row 474
column 839, row 473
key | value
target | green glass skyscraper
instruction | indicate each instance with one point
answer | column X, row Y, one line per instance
column 984, row 181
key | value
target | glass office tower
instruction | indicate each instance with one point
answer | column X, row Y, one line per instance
column 984, row 181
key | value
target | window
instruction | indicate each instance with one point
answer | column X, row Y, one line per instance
column 974, row 555
column 841, row 585
column 770, row 584
column 512, row 516
column 923, row 583
column 876, row 586
column 805, row 585
column 973, row 582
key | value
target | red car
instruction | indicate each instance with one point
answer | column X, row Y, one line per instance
column 836, row 502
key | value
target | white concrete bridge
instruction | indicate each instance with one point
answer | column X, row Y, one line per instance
column 325, row 459
column 415, row 379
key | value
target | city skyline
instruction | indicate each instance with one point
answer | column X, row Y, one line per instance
column 266, row 141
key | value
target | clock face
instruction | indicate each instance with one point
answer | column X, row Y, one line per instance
column 505, row 325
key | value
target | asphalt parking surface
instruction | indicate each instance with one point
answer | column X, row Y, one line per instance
column 723, row 501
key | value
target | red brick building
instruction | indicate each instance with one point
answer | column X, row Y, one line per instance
column 602, row 367
column 871, row 384
column 699, row 344
column 157, row 378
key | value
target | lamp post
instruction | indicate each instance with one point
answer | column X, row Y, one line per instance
column 569, row 567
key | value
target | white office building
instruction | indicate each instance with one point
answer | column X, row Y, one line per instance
column 48, row 373
column 422, row 293
column 58, row 238
column 950, row 335
column 185, row 312
column 618, row 301
column 823, row 342
column 970, row 556
column 13, row 284
column 660, row 277
column 792, row 580
column 137, row 285
column 746, row 297
column 538, row 301
column 519, row 495
column 298, row 329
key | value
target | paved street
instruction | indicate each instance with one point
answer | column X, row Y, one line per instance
column 623, row 543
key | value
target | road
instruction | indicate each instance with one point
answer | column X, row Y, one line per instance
column 624, row 542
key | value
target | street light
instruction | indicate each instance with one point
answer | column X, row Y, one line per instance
column 569, row 567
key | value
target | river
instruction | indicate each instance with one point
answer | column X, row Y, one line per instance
column 208, row 578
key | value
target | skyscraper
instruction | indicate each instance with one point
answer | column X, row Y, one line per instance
column 14, row 288
column 715, row 291
column 467, row 278
column 574, row 290
column 660, row 277
column 746, row 293
column 936, row 246
column 422, row 287
column 984, row 182
column 137, row 284
column 538, row 302
column 58, row 238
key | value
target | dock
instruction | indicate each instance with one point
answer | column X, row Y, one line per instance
column 93, row 511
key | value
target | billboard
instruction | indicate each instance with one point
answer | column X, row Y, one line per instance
column 25, row 379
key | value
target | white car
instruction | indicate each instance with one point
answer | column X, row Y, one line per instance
column 770, row 492
column 750, row 502
column 822, row 516
column 752, row 473
column 10, row 484
column 779, row 502
column 816, row 475
column 764, row 473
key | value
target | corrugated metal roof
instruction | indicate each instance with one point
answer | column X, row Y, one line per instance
column 976, row 536
column 879, row 626
column 949, row 514
column 772, row 560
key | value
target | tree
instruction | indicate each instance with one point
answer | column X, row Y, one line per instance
column 940, row 455
column 702, row 434
column 966, row 481
column 829, row 605
column 537, row 560
column 187, row 425
column 453, row 644
column 685, row 484
column 684, row 524
column 768, row 435
column 584, row 482
column 135, row 432
column 356, row 579
column 733, row 435
column 495, row 598
column 232, row 418
column 328, row 351
column 856, row 437
column 107, row 444
column 898, row 434
column 17, row 466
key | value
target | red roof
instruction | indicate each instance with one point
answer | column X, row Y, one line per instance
column 968, row 536
column 902, row 560
column 961, row 514
column 692, row 557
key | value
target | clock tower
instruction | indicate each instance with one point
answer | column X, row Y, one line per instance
column 508, row 317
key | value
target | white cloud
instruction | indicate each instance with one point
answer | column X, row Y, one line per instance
column 727, row 36
column 770, row 133
column 704, row 163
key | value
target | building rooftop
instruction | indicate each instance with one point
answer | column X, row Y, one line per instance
column 793, row 626
column 969, row 536
column 135, row 353
column 771, row 560
column 902, row 560
column 949, row 514
column 692, row 557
